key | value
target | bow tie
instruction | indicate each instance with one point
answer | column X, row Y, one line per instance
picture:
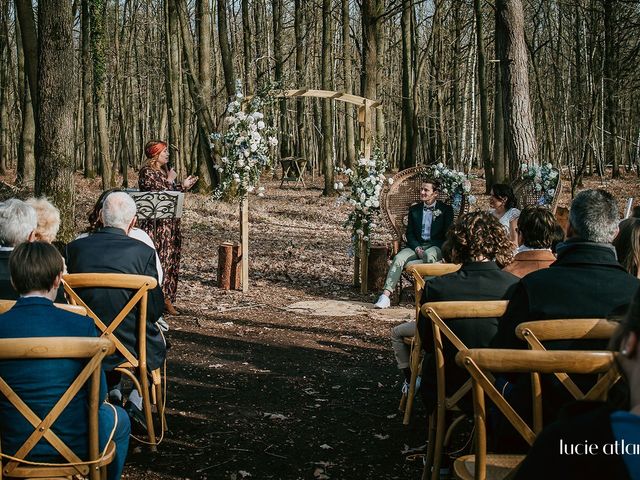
column 430, row 208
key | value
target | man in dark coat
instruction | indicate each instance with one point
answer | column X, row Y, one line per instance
column 586, row 280
column 427, row 227
column 18, row 222
column 110, row 250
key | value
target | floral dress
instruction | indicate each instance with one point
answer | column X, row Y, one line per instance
column 165, row 233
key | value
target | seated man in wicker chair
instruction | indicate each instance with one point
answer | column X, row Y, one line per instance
column 427, row 226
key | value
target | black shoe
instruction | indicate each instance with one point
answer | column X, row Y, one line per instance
column 137, row 417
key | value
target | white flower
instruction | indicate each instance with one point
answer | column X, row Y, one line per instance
column 261, row 125
column 273, row 141
column 472, row 200
column 260, row 194
column 390, row 181
column 250, row 188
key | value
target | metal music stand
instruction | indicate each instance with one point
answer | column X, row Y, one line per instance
column 158, row 205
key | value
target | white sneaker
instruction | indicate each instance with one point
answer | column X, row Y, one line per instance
column 383, row 302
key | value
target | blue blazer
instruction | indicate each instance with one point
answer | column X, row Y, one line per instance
column 439, row 225
column 40, row 383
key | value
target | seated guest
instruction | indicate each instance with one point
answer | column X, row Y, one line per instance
column 586, row 280
column 47, row 229
column 605, row 428
column 504, row 206
column 627, row 244
column 427, row 226
column 536, row 233
column 95, row 223
column 48, row 219
column 111, row 250
column 479, row 243
column 36, row 273
column 18, row 223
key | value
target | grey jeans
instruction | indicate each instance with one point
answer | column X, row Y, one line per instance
column 401, row 350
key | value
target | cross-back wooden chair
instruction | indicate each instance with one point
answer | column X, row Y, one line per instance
column 6, row 305
column 396, row 199
column 415, row 343
column 439, row 313
column 534, row 333
column 93, row 349
column 135, row 368
column 479, row 362
column 526, row 193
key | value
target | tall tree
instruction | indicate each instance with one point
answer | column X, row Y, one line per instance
column 87, row 91
column 326, row 152
column 54, row 112
column 300, row 65
column 26, row 169
column 485, row 154
column 350, row 137
column 278, row 57
column 98, row 10
column 371, row 17
column 408, row 143
column 610, row 86
column 172, row 79
column 520, row 136
column 225, row 49
column 203, row 24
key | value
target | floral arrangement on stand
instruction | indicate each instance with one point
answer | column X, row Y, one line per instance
column 454, row 183
column 366, row 180
column 544, row 179
column 247, row 143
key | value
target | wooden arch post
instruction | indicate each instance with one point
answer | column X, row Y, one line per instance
column 365, row 113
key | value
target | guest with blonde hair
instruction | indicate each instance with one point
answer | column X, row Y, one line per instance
column 48, row 219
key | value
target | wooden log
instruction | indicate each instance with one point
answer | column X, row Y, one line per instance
column 377, row 267
column 225, row 265
column 236, row 267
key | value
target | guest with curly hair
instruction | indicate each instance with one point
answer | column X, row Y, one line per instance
column 479, row 242
column 504, row 206
column 627, row 244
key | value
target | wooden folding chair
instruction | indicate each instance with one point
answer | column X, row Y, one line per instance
column 6, row 305
column 479, row 362
column 534, row 333
column 415, row 344
column 134, row 368
column 94, row 349
column 439, row 313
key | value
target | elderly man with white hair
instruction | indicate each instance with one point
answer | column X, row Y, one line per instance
column 111, row 250
column 18, row 223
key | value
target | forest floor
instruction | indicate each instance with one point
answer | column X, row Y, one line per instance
column 262, row 388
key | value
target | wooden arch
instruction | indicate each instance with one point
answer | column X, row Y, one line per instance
column 365, row 107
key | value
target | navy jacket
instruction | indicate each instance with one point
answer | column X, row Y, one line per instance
column 110, row 250
column 439, row 225
column 40, row 383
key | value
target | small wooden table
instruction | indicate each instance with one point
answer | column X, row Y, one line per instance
column 293, row 169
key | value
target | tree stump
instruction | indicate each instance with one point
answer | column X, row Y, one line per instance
column 377, row 267
column 229, row 266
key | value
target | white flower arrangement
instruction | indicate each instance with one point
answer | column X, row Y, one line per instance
column 367, row 181
column 247, row 143
column 544, row 178
column 453, row 183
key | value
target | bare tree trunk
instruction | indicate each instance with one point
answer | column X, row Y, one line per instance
column 285, row 137
column 611, row 83
column 408, row 143
column 89, row 161
column 24, row 9
column 500, row 166
column 519, row 132
column 485, row 153
column 54, row 113
column 350, row 136
column 371, row 15
column 203, row 23
column 172, row 82
column 327, row 119
column 249, row 85
column 98, row 10
column 225, row 49
column 26, row 147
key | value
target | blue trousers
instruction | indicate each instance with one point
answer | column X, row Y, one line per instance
column 106, row 421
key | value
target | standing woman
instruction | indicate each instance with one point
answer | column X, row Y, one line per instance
column 156, row 175
column 504, row 206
